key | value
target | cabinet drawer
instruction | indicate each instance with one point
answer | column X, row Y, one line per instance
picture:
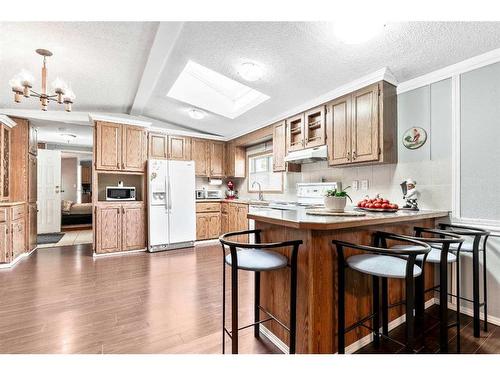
column 3, row 214
column 17, row 212
column 208, row 207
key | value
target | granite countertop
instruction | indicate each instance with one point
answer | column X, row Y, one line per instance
column 301, row 220
column 240, row 201
column 8, row 204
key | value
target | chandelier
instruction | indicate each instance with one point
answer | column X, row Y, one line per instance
column 22, row 85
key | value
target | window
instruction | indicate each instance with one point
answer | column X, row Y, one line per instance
column 260, row 170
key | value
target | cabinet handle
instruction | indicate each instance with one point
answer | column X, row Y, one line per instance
column 348, row 156
column 354, row 155
column 117, row 165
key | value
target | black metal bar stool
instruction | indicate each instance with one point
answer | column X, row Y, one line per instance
column 380, row 262
column 258, row 258
column 440, row 254
column 479, row 238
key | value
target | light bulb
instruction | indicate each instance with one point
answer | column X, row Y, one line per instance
column 15, row 84
column 26, row 78
column 59, row 86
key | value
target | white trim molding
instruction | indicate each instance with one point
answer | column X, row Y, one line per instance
column 475, row 62
column 126, row 119
column 6, row 120
column 383, row 74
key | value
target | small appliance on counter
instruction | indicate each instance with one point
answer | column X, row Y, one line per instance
column 208, row 194
column 200, row 193
column 410, row 194
column 120, row 192
column 230, row 192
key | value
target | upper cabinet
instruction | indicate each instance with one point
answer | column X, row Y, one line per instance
column 120, row 147
column 5, row 152
column 178, row 148
column 314, row 127
column 295, row 133
column 361, row 127
column 217, row 159
column 200, row 154
column 279, row 147
column 235, row 160
column 157, row 148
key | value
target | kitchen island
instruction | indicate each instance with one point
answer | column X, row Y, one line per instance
column 317, row 267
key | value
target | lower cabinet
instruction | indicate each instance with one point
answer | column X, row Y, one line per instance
column 223, row 218
column 32, row 225
column 12, row 232
column 208, row 225
column 120, row 227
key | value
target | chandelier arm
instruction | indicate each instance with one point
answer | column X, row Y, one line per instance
column 34, row 93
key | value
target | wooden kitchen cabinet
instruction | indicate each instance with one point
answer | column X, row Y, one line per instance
column 12, row 232
column 224, row 222
column 242, row 221
column 280, row 151
column 314, row 127
column 5, row 155
column 157, row 146
column 4, row 243
column 32, row 179
column 216, row 159
column 235, row 157
column 202, row 227
column 214, row 225
column 32, row 225
column 33, row 140
column 295, row 133
column 133, row 226
column 120, row 147
column 120, row 227
column 361, row 127
column 179, row 148
column 18, row 235
column 134, row 148
column 200, row 153
column 208, row 220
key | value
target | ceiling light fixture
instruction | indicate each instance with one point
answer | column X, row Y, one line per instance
column 68, row 136
column 22, row 85
column 250, row 71
column 352, row 32
column 196, row 114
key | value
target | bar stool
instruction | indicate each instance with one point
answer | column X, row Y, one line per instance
column 380, row 262
column 475, row 248
column 258, row 258
column 440, row 254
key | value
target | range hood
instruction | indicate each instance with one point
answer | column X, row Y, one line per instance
column 309, row 155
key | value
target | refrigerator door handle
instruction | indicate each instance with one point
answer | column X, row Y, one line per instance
column 169, row 196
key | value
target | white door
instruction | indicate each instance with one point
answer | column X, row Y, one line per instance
column 181, row 201
column 49, row 191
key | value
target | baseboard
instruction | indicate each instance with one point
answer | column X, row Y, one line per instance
column 15, row 261
column 355, row 346
column 207, row 242
column 470, row 312
column 119, row 253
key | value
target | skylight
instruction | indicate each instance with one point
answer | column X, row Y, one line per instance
column 214, row 92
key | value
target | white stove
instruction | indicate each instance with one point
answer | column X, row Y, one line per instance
column 308, row 195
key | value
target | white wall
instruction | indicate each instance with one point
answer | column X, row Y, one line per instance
column 69, row 179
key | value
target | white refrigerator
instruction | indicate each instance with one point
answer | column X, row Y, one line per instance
column 171, row 204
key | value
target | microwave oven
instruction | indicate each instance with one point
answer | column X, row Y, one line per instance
column 120, row 193
column 213, row 194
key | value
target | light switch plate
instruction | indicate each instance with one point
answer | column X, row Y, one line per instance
column 355, row 185
column 364, row 184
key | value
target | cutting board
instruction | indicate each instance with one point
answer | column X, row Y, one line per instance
column 325, row 212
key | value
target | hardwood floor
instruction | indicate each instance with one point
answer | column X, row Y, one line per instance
column 62, row 300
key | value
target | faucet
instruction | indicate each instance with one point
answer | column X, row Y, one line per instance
column 261, row 195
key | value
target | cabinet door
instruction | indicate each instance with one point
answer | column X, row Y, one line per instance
column 108, row 228
column 134, row 148
column 365, row 125
column 295, row 133
column 108, row 145
column 179, row 148
column 224, row 222
column 235, row 160
column 279, row 147
column 200, row 154
column 214, row 225
column 32, row 178
column 242, row 222
column 33, row 140
column 202, row 226
column 133, row 227
column 314, row 127
column 32, row 231
column 339, row 131
column 18, row 234
column 232, row 217
column 216, row 159
column 4, row 243
column 5, row 163
column 157, row 146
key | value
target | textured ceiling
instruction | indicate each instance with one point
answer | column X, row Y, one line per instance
column 104, row 61
column 305, row 60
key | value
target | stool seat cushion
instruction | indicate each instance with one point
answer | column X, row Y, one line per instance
column 381, row 265
column 258, row 260
column 434, row 256
column 467, row 247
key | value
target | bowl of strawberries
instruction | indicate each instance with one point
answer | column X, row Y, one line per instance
column 377, row 204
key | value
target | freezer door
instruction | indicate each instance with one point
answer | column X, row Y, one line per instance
column 181, row 201
column 157, row 182
column 158, row 226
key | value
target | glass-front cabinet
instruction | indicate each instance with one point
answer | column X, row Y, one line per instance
column 5, row 162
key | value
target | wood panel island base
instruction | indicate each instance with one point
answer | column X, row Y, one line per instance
column 317, row 272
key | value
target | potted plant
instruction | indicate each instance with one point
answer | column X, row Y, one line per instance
column 335, row 200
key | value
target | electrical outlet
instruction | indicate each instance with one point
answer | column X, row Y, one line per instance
column 355, row 185
column 364, row 184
